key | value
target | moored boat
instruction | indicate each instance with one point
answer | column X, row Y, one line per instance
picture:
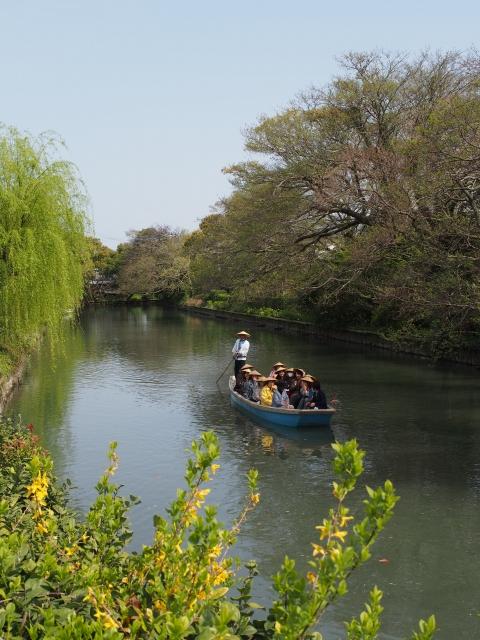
column 279, row 416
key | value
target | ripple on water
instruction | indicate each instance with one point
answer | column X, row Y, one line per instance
column 146, row 378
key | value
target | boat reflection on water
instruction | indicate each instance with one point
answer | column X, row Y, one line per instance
column 303, row 435
column 282, row 442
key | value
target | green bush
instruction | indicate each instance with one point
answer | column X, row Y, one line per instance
column 218, row 299
column 66, row 577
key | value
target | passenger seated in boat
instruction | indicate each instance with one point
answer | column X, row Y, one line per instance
column 295, row 385
column 281, row 380
column 318, row 400
column 252, row 388
column 306, row 392
column 289, row 376
column 275, row 368
column 240, row 378
column 277, row 396
column 266, row 393
column 246, row 379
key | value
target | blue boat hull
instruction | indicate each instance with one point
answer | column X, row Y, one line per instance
column 281, row 417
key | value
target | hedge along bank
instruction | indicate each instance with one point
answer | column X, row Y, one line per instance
column 66, row 576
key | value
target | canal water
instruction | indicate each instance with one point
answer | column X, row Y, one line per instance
column 146, row 378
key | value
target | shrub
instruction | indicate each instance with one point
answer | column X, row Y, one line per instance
column 66, row 577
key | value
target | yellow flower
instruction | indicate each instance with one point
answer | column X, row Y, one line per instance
column 69, row 551
column 339, row 534
column 278, row 627
column 324, row 530
column 334, row 553
column 311, row 577
column 221, row 577
column 255, row 498
column 318, row 550
column 215, row 551
column 106, row 619
column 41, row 527
column 90, row 597
column 344, row 520
column 215, row 468
column 38, row 490
column 218, row 573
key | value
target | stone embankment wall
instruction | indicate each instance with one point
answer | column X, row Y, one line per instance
column 364, row 338
column 9, row 383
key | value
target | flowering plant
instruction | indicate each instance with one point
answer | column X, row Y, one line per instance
column 66, row 577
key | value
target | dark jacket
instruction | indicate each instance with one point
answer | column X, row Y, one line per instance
column 319, row 399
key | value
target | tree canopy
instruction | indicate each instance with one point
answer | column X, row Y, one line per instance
column 364, row 201
column 42, row 245
column 152, row 263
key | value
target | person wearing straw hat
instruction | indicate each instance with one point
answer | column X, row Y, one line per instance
column 244, row 379
column 251, row 389
column 282, row 382
column 273, row 372
column 305, row 392
column 275, row 368
column 266, row 394
column 240, row 350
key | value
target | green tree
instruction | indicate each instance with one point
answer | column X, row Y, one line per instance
column 364, row 204
column 153, row 264
column 42, row 245
column 101, row 257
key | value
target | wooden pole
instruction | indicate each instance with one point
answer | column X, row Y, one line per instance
column 223, row 372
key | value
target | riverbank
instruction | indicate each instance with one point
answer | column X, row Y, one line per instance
column 367, row 339
column 10, row 382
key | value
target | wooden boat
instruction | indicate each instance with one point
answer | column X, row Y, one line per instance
column 279, row 416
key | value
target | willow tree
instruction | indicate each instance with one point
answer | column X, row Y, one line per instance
column 42, row 243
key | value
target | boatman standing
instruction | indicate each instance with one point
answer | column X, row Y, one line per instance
column 240, row 350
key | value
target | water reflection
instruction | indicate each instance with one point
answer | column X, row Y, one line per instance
column 146, row 377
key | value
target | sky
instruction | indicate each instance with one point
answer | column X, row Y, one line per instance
column 151, row 97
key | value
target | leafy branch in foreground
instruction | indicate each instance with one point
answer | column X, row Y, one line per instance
column 66, row 577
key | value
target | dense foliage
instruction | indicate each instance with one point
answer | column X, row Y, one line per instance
column 42, row 247
column 64, row 576
column 363, row 205
column 152, row 264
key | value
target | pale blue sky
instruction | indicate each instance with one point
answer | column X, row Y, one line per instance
column 151, row 96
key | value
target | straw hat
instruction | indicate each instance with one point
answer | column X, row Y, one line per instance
column 270, row 379
column 246, row 366
column 289, row 370
column 299, row 370
column 262, row 379
column 308, row 378
column 243, row 333
column 278, row 369
column 278, row 364
column 255, row 373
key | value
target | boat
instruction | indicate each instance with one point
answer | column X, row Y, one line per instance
column 278, row 416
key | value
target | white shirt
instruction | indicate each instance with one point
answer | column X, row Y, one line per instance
column 240, row 349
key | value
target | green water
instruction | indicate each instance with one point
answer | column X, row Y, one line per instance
column 146, row 377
